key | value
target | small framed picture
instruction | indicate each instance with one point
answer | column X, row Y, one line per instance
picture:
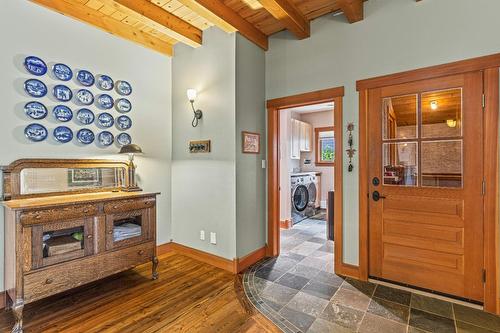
column 84, row 177
column 250, row 143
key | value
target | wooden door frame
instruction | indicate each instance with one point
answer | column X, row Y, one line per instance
column 274, row 106
column 489, row 65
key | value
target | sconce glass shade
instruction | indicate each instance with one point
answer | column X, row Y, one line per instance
column 191, row 94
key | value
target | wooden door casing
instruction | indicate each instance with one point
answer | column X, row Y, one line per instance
column 430, row 237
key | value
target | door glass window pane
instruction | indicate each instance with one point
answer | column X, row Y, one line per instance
column 442, row 163
column 399, row 117
column 442, row 113
column 400, row 163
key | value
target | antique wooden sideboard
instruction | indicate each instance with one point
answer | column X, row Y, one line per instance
column 67, row 223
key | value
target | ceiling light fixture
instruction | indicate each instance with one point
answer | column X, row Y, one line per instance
column 434, row 105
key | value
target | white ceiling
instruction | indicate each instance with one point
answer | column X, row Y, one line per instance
column 313, row 108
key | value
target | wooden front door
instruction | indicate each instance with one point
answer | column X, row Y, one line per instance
column 425, row 145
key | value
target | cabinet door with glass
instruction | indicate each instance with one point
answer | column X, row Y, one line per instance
column 57, row 242
column 127, row 228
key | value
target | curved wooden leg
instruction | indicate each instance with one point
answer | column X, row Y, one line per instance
column 155, row 267
column 17, row 310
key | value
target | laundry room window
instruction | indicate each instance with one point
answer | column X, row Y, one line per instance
column 325, row 145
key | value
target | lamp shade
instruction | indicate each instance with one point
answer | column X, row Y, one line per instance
column 131, row 149
column 191, row 94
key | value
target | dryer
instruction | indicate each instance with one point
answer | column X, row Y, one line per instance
column 304, row 196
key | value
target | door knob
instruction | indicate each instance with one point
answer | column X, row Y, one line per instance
column 376, row 196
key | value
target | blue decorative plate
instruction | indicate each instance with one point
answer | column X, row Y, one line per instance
column 123, row 139
column 105, row 101
column 85, row 78
column 85, row 97
column 35, row 88
column 85, row 116
column 123, row 122
column 62, row 93
column 35, row 65
column 36, row 132
column 35, row 110
column 105, row 120
column 85, row 136
column 123, row 88
column 106, row 138
column 62, row 72
column 62, row 113
column 104, row 82
column 63, row 134
column 123, row 105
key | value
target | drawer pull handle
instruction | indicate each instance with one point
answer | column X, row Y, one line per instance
column 115, row 207
column 110, row 232
column 49, row 281
column 38, row 217
column 89, row 236
column 85, row 210
column 141, row 252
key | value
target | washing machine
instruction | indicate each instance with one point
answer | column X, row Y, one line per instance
column 304, row 197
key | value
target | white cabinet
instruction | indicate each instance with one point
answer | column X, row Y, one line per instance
column 295, row 140
column 301, row 138
column 305, row 137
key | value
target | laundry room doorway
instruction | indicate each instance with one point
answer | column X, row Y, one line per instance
column 304, row 186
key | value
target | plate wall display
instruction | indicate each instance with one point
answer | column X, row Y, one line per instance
column 85, row 116
column 104, row 82
column 123, row 88
column 63, row 134
column 123, row 122
column 62, row 72
column 123, row 105
column 62, row 93
column 105, row 101
column 62, row 113
column 35, row 88
column 85, row 97
column 105, row 138
column 35, row 65
column 105, row 120
column 36, row 132
column 85, row 78
column 35, row 110
column 124, row 139
column 85, row 136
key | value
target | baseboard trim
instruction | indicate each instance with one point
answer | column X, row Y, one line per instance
column 240, row 264
column 234, row 266
column 286, row 224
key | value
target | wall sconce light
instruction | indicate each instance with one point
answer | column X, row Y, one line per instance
column 191, row 94
column 451, row 123
column 434, row 105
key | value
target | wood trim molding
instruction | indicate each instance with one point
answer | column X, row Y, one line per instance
column 458, row 67
column 3, row 299
column 491, row 228
column 317, row 149
column 353, row 9
column 163, row 248
column 240, row 264
column 314, row 97
column 289, row 15
column 80, row 12
column 285, row 224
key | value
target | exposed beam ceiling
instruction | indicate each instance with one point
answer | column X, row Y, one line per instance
column 289, row 14
column 218, row 8
column 353, row 9
column 207, row 14
column 77, row 10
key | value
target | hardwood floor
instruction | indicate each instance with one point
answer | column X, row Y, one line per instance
column 189, row 296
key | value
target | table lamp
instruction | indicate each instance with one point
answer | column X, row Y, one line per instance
column 131, row 150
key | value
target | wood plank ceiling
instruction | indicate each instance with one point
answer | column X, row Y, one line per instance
column 160, row 24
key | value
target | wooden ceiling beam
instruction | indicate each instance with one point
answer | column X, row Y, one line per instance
column 159, row 19
column 290, row 15
column 230, row 17
column 208, row 15
column 353, row 9
column 80, row 12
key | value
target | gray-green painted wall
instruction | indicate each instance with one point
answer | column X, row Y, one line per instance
column 395, row 35
column 250, row 176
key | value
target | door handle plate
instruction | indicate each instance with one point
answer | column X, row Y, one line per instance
column 376, row 196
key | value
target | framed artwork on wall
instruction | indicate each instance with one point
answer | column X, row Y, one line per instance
column 250, row 143
column 84, row 177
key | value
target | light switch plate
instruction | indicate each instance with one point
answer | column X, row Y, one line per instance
column 199, row 146
column 202, row 235
column 213, row 238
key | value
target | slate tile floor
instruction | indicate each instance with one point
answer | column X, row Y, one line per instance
column 299, row 292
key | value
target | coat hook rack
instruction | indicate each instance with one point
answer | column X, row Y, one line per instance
column 350, row 151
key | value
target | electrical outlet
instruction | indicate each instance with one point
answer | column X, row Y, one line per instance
column 202, row 235
column 263, row 164
column 213, row 238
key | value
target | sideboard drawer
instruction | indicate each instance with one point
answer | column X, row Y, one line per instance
column 126, row 205
column 73, row 274
column 57, row 214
